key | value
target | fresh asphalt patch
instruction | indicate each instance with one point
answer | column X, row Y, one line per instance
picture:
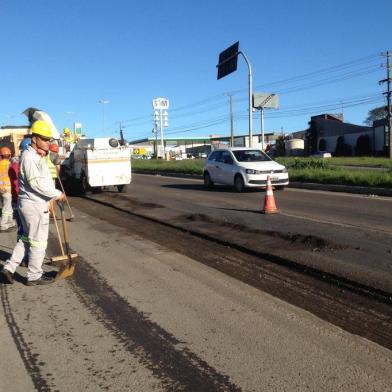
column 362, row 312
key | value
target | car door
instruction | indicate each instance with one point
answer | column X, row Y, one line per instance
column 212, row 166
column 226, row 165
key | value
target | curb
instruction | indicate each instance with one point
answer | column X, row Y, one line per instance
column 360, row 190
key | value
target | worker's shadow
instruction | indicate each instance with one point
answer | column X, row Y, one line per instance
column 3, row 257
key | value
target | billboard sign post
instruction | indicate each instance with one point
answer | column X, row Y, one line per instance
column 160, row 106
column 263, row 101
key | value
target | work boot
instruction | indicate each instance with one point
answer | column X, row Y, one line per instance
column 7, row 276
column 8, row 229
column 24, row 263
column 42, row 280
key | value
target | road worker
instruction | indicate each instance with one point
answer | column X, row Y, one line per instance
column 68, row 139
column 14, row 172
column 14, row 178
column 36, row 189
column 54, row 160
column 7, row 222
column 54, row 168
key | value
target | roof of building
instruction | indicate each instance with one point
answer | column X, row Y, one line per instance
column 194, row 139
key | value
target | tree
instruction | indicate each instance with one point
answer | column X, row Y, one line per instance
column 376, row 114
column 279, row 146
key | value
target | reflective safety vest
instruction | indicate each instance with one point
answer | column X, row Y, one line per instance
column 68, row 138
column 52, row 167
column 5, row 183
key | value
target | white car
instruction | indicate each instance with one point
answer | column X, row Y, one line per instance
column 322, row 154
column 243, row 168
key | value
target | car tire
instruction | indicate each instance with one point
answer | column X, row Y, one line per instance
column 239, row 184
column 279, row 187
column 208, row 183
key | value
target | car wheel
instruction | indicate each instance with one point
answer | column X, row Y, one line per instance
column 239, row 183
column 208, row 183
column 279, row 187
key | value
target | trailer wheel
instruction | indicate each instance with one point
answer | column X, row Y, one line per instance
column 122, row 188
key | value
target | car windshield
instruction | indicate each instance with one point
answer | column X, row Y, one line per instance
column 251, row 156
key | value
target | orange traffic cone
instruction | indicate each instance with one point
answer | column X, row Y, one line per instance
column 269, row 201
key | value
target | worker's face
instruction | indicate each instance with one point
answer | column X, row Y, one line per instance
column 42, row 143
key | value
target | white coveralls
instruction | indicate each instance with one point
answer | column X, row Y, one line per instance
column 7, row 212
column 6, row 220
column 36, row 189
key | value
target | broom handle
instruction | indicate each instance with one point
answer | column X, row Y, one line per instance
column 61, row 206
column 57, row 228
column 66, row 198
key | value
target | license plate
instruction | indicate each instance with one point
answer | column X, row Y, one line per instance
column 274, row 178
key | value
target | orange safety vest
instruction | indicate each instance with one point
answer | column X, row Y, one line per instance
column 5, row 183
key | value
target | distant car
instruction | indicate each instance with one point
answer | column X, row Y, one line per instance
column 322, row 154
column 243, row 168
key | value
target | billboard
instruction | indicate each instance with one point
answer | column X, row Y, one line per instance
column 265, row 101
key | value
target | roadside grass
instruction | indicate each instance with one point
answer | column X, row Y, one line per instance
column 339, row 176
column 313, row 170
column 343, row 161
column 190, row 166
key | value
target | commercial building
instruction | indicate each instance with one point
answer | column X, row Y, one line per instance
column 199, row 147
column 328, row 132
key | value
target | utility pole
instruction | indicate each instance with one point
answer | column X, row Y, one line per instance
column 388, row 94
column 231, row 119
column 122, row 140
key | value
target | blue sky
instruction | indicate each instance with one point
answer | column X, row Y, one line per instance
column 64, row 56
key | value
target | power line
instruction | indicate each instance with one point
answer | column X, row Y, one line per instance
column 145, row 118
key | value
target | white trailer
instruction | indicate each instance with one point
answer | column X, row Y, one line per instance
column 97, row 163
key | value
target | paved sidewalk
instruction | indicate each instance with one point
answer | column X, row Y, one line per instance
column 13, row 374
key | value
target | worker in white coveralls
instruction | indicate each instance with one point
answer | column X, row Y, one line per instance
column 36, row 189
column 6, row 222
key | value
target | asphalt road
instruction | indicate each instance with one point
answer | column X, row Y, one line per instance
column 351, row 234
column 140, row 316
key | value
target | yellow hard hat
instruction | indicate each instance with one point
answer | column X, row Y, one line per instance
column 41, row 128
column 66, row 130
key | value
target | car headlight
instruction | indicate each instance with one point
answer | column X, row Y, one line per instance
column 251, row 171
column 284, row 170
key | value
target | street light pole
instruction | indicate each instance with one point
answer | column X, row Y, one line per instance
column 250, row 93
column 103, row 102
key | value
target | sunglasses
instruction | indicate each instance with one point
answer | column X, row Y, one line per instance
column 45, row 139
